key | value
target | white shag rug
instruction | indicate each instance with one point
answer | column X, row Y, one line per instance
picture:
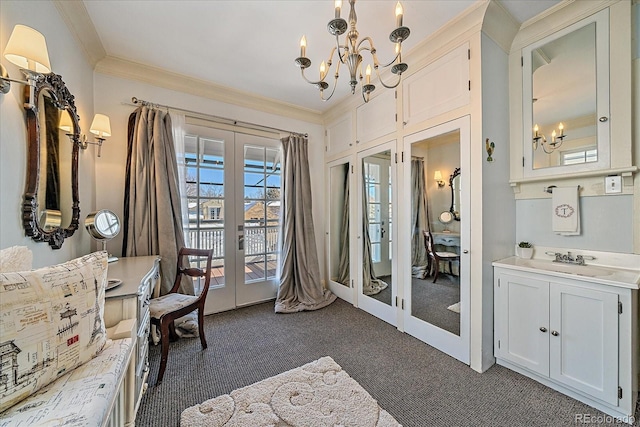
column 318, row 394
column 454, row 307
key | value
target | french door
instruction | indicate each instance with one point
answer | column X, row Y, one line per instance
column 232, row 186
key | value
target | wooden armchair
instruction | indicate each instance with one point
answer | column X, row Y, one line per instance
column 169, row 307
column 436, row 256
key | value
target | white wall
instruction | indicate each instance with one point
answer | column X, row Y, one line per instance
column 498, row 204
column 113, row 93
column 605, row 221
column 67, row 60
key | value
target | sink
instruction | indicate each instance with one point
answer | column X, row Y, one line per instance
column 579, row 270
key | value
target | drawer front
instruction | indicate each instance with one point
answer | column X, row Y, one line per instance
column 144, row 297
column 143, row 341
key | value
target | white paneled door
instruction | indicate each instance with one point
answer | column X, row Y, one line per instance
column 232, row 185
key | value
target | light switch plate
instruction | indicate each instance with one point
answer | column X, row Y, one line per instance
column 612, row 184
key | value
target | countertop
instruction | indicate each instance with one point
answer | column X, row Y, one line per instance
column 606, row 275
column 131, row 270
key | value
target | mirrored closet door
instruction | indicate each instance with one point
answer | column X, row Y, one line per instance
column 339, row 176
column 374, row 222
column 435, row 259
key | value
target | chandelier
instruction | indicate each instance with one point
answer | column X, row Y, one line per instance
column 350, row 51
column 541, row 140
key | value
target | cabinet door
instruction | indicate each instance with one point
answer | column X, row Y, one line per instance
column 522, row 306
column 584, row 340
column 376, row 118
column 339, row 135
column 439, row 87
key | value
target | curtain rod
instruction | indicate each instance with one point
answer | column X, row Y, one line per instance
column 217, row 119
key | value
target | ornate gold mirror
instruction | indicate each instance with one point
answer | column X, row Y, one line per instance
column 51, row 212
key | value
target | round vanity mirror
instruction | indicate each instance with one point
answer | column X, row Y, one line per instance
column 103, row 225
column 445, row 217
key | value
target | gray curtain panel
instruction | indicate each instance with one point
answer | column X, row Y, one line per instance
column 152, row 210
column 371, row 285
column 419, row 218
column 300, row 287
column 343, row 266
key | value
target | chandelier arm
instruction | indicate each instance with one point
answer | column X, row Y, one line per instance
column 335, row 83
column 339, row 46
column 383, row 83
column 371, row 46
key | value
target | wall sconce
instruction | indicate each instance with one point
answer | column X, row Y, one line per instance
column 556, row 139
column 27, row 48
column 438, row 177
column 101, row 128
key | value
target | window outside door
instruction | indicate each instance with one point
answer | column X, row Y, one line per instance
column 233, row 203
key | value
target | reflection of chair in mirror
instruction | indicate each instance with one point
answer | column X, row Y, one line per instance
column 169, row 307
column 436, row 256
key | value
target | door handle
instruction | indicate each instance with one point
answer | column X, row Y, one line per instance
column 381, row 232
column 555, row 333
column 241, row 242
column 543, row 329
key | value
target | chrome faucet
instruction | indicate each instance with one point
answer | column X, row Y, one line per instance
column 568, row 259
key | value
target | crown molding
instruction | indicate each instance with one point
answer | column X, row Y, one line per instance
column 500, row 25
column 123, row 68
column 75, row 15
column 555, row 18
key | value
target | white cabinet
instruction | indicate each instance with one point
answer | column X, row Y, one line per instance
column 339, row 135
column 376, row 118
column 130, row 300
column 439, row 87
column 571, row 335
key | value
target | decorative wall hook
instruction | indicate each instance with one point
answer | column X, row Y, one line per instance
column 489, row 146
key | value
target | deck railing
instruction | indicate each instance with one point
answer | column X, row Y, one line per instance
column 257, row 240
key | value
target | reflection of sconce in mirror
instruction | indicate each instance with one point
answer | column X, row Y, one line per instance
column 101, row 127
column 26, row 48
column 556, row 139
column 438, row 177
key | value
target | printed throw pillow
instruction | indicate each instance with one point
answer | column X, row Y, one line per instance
column 15, row 258
column 51, row 321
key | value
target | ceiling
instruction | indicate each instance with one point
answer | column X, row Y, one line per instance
column 250, row 45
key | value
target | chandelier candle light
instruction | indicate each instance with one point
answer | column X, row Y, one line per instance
column 350, row 54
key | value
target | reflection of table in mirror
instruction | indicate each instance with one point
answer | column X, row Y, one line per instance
column 448, row 240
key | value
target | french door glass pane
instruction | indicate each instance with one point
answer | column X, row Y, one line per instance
column 205, row 201
column 262, row 182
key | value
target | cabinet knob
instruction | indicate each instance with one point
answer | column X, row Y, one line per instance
column 543, row 329
column 555, row 333
column 466, row 251
column 603, row 119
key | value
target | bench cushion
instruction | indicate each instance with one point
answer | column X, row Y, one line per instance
column 83, row 397
column 52, row 322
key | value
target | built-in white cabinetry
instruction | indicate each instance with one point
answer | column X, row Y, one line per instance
column 441, row 86
column 339, row 135
column 376, row 118
column 129, row 300
column 575, row 336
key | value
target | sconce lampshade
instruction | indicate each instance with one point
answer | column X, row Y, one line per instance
column 27, row 48
column 437, row 176
column 65, row 121
column 101, row 126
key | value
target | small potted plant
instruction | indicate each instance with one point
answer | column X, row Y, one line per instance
column 524, row 250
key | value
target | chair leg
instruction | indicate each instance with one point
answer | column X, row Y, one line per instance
column 164, row 339
column 436, row 269
column 450, row 268
column 203, row 340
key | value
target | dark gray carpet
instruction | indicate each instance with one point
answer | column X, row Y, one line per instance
column 417, row 384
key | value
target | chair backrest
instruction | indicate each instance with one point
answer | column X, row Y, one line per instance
column 184, row 268
column 428, row 243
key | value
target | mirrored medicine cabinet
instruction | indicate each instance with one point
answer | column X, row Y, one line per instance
column 565, row 102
